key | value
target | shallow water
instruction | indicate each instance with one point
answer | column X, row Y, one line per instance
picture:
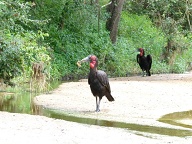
column 16, row 103
column 20, row 100
column 130, row 126
column 176, row 118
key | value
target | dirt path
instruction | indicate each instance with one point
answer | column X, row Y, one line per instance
column 138, row 100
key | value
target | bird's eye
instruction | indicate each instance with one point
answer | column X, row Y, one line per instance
column 93, row 58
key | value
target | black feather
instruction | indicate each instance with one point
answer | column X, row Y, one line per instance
column 144, row 62
column 99, row 83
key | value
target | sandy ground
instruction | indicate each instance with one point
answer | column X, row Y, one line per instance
column 138, row 100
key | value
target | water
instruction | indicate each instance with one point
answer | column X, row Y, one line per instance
column 16, row 103
column 19, row 100
column 176, row 118
column 130, row 126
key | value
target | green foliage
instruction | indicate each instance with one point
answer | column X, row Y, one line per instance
column 73, row 34
column 159, row 10
column 59, row 33
column 159, row 67
column 13, row 15
column 17, row 54
column 19, row 47
column 180, row 65
column 173, row 17
column 10, row 59
column 183, row 61
column 140, row 32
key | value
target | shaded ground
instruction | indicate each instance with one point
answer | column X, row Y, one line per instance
column 138, row 100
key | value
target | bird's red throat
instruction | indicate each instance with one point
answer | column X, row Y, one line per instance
column 141, row 53
column 92, row 64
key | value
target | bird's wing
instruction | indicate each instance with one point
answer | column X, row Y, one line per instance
column 138, row 58
column 103, row 79
column 149, row 59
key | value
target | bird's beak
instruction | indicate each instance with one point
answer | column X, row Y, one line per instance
column 137, row 51
column 134, row 51
column 86, row 59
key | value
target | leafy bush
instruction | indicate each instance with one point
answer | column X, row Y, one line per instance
column 19, row 47
column 73, row 34
column 17, row 54
column 59, row 33
column 183, row 61
column 138, row 31
column 10, row 59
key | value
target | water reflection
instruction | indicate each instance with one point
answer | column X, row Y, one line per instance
column 176, row 118
column 20, row 100
column 16, row 103
column 130, row 126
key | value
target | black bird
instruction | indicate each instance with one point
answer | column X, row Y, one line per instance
column 144, row 61
column 97, row 80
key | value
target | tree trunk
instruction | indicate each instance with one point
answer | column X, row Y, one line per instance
column 114, row 9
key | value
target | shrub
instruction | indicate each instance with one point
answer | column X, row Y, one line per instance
column 18, row 53
column 138, row 31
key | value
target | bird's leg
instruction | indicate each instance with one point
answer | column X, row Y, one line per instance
column 143, row 73
column 97, row 104
column 148, row 73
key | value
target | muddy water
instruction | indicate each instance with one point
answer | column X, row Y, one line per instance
column 178, row 119
column 19, row 100
column 130, row 126
column 16, row 103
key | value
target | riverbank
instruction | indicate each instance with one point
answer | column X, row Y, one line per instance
column 139, row 101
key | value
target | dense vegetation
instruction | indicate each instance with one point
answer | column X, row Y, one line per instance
column 59, row 33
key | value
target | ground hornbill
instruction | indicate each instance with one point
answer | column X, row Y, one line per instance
column 97, row 80
column 144, row 62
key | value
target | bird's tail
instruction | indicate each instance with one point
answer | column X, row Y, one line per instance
column 110, row 97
